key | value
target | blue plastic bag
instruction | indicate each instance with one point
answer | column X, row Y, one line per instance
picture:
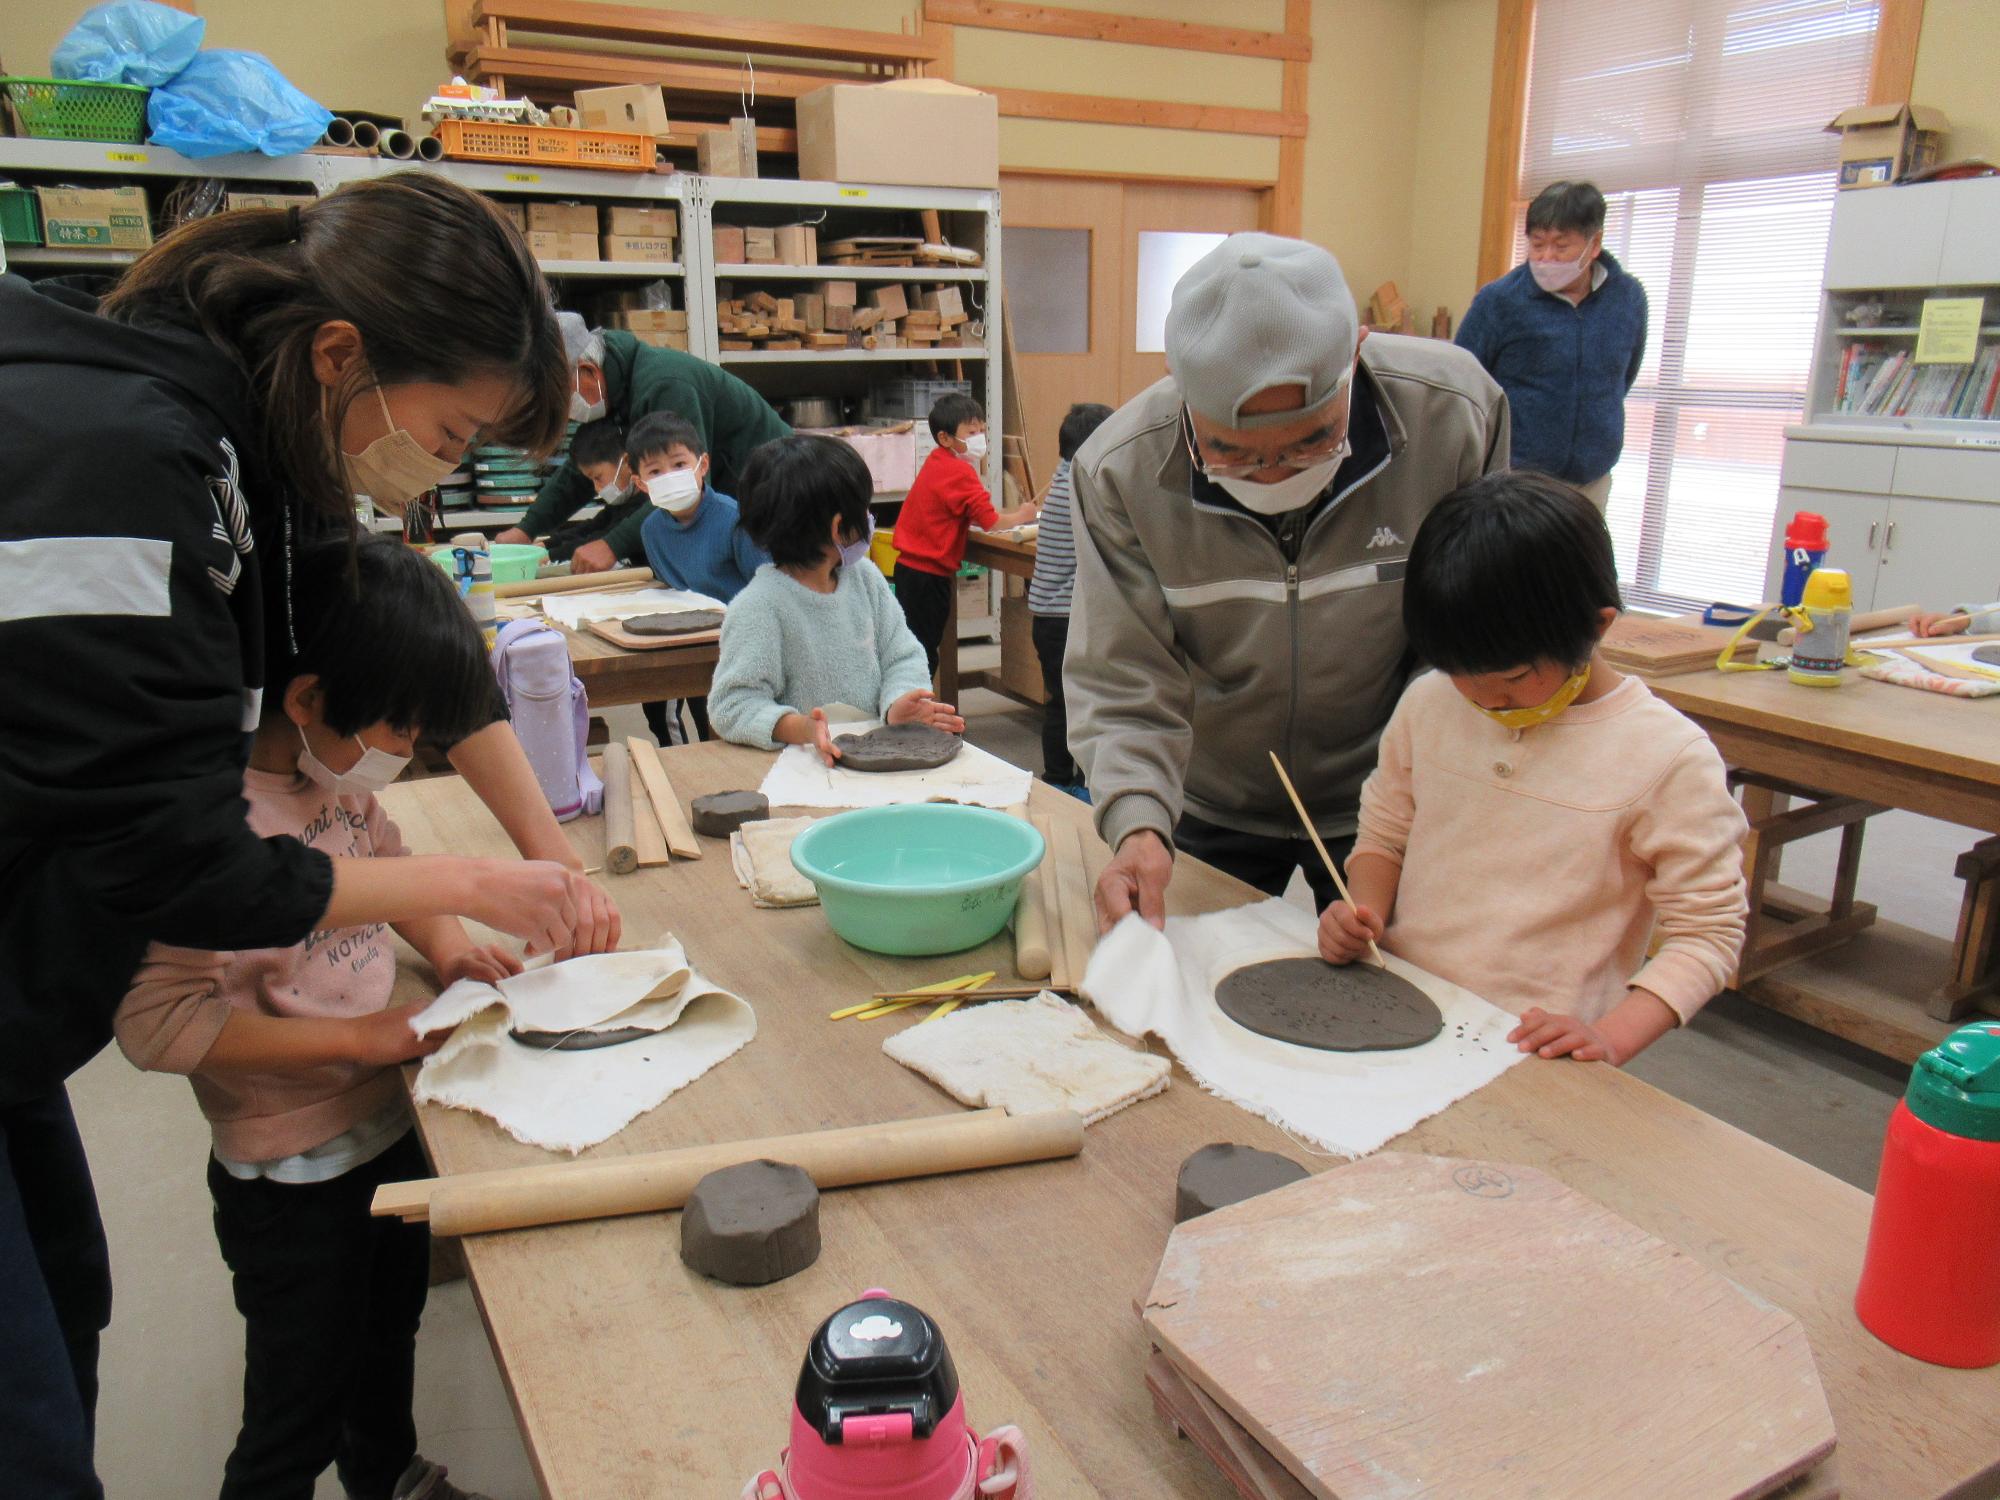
column 233, row 101
column 128, row 41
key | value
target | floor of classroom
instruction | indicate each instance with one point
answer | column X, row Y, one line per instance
column 172, row 1359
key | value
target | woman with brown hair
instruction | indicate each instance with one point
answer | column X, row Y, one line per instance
column 165, row 453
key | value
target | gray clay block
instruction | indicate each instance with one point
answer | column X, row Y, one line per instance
column 1990, row 655
column 1219, row 1175
column 898, row 747
column 753, row 1223
column 675, row 622
column 720, row 814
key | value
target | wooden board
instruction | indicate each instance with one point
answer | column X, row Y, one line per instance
column 665, row 801
column 1662, row 648
column 1428, row 1325
column 618, row 635
column 1245, row 1463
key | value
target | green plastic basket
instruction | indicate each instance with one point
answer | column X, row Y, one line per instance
column 20, row 219
column 61, row 109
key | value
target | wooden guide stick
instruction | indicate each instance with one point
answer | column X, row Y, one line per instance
column 610, row 578
column 520, row 1197
column 1327, row 859
column 1031, row 917
column 646, row 835
column 1045, row 874
column 621, row 851
column 666, row 805
column 1073, row 896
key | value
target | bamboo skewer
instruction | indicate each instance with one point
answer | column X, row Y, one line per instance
column 1312, row 833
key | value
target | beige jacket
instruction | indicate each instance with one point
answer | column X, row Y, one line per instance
column 1196, row 645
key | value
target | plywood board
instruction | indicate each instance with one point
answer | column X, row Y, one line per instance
column 618, row 635
column 1428, row 1325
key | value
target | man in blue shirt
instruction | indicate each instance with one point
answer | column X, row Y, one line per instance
column 1564, row 334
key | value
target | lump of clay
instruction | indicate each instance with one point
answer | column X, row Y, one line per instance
column 1990, row 655
column 1219, row 1175
column 679, row 622
column 898, row 747
column 752, row 1223
column 1357, row 1007
column 580, row 1041
column 720, row 814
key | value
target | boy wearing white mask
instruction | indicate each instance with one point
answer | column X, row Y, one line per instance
column 597, row 451
column 948, row 499
column 294, row 1052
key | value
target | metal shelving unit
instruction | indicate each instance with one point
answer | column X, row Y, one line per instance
column 839, row 356
column 764, row 271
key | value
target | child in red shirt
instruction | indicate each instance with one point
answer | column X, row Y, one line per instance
column 948, row 500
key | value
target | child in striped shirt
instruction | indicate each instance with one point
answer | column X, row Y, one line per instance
column 1049, row 596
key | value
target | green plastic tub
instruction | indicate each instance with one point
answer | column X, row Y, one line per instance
column 919, row 879
column 513, row 562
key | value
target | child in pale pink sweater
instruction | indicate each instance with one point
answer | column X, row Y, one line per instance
column 293, row 1051
column 1534, row 814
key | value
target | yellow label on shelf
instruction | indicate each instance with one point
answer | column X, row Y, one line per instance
column 1948, row 333
column 138, row 157
column 854, row 192
column 524, row 176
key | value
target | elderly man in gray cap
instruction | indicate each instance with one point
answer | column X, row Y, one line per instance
column 1242, row 528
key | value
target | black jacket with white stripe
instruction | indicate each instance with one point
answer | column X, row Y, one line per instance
column 137, row 536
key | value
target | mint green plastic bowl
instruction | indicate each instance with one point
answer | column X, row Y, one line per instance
column 513, row 562
column 919, row 879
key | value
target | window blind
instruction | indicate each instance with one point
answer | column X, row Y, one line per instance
column 1703, row 123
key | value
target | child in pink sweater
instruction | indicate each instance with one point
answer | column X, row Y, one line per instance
column 293, row 1051
column 1535, row 814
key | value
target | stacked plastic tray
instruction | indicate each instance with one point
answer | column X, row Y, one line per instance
column 508, row 478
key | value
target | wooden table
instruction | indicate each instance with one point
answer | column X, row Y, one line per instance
column 1881, row 746
column 611, row 674
column 634, row 1377
column 1003, row 555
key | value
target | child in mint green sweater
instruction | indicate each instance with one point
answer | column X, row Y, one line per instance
column 819, row 625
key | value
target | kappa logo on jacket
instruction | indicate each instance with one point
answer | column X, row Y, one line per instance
column 232, row 520
column 1384, row 537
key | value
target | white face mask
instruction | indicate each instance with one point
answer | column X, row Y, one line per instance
column 581, row 410
column 617, row 490
column 676, row 492
column 374, row 771
column 395, row 468
column 1554, row 275
column 975, row 446
column 852, row 552
column 1295, row 490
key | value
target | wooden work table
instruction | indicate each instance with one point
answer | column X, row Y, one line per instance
column 633, row 1377
column 1003, row 555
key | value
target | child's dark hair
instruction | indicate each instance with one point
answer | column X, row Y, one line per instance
column 661, row 432
column 1510, row 570
column 952, row 412
column 391, row 642
column 793, row 487
column 1083, row 419
column 598, row 442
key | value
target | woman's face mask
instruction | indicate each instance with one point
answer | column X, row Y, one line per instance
column 395, row 469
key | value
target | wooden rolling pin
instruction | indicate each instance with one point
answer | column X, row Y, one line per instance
column 1031, row 917
column 1874, row 619
column 621, row 845
column 520, row 1197
column 573, row 583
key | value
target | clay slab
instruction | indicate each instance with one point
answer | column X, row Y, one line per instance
column 580, row 1041
column 1357, row 1007
column 898, row 747
column 720, row 814
column 678, row 622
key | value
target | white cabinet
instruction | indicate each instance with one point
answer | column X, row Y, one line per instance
column 1937, row 553
column 1890, row 237
column 1971, row 234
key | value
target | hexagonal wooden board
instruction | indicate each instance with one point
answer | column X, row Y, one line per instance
column 1418, row 1325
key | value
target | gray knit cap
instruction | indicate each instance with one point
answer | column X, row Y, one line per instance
column 1260, row 310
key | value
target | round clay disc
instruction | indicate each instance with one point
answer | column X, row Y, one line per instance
column 1219, row 1175
column 752, row 1223
column 579, row 1041
column 898, row 747
column 679, row 622
column 1358, row 1007
column 1989, row 655
column 720, row 814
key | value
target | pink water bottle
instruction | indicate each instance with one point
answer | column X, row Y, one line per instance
column 1930, row 1282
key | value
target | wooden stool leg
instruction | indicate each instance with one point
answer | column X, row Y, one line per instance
column 1975, row 978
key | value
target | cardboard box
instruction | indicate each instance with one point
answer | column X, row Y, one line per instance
column 639, row 107
column 728, row 151
column 1884, row 143
column 729, row 244
column 655, row 223
column 637, row 247
column 662, row 340
column 923, row 132
column 888, row 301
column 116, row 218
column 514, row 213
column 798, row 245
column 563, row 218
column 548, row 244
column 760, row 244
column 269, row 200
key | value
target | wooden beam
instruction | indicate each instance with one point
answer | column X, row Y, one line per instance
column 1506, row 119
column 1103, row 26
column 1096, row 109
column 1898, row 24
column 676, row 76
column 686, row 136
column 1178, row 179
column 676, row 28
column 1287, row 208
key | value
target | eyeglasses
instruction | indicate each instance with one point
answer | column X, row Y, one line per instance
column 1293, row 458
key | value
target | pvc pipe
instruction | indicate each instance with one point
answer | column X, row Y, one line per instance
column 398, row 145
column 430, row 148
column 339, row 132
column 367, row 134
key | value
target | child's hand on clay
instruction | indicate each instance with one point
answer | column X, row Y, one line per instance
column 922, row 707
column 1346, row 931
column 1550, row 1034
column 823, row 738
column 384, row 1038
column 488, row 963
column 1937, row 624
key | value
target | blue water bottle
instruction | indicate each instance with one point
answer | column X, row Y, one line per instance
column 1805, row 550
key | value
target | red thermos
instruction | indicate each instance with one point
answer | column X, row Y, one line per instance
column 1930, row 1282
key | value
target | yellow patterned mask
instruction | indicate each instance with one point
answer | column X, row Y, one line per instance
column 1547, row 709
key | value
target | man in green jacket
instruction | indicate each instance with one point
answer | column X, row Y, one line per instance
column 615, row 375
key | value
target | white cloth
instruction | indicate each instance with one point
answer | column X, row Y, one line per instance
column 799, row 778
column 565, row 1101
column 1348, row 1102
column 1029, row 1055
column 761, row 855
column 573, row 608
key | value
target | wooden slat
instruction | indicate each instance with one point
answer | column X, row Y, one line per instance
column 1287, row 210
column 687, row 136
column 591, row 69
column 678, row 28
column 1894, row 68
column 1104, row 26
column 1506, row 119
column 1095, row 109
